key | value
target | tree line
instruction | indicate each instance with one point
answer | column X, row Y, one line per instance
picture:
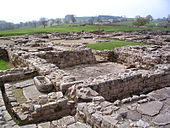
column 140, row 21
column 69, row 19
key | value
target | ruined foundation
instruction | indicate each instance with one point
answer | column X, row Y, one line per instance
column 66, row 85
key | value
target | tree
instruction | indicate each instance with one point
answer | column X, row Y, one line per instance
column 34, row 23
column 138, row 16
column 52, row 21
column 66, row 21
column 91, row 20
column 98, row 19
column 69, row 19
column 72, row 18
column 140, row 21
column 58, row 21
column 168, row 18
column 43, row 21
column 149, row 17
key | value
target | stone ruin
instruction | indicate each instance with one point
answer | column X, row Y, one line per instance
column 57, row 84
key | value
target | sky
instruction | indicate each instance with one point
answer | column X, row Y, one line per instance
column 27, row 10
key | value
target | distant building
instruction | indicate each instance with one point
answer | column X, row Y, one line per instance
column 109, row 21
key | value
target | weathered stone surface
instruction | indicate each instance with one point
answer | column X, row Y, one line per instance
column 12, row 99
column 162, row 119
column 157, row 96
column 24, row 83
column 79, row 125
column 108, row 122
column 151, row 108
column 142, row 124
column 6, row 115
column 133, row 115
column 44, row 125
column 43, row 84
column 16, row 126
column 98, row 99
column 63, row 122
column 29, row 126
column 142, row 101
column 31, row 92
column 96, row 118
column 11, row 122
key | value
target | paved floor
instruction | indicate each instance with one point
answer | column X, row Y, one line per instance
column 151, row 112
column 31, row 92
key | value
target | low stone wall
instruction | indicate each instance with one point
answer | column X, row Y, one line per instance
column 122, row 85
column 16, row 59
column 16, row 74
column 143, row 56
column 45, row 108
column 3, row 54
column 132, row 111
column 5, row 118
column 107, row 55
column 69, row 57
column 25, row 59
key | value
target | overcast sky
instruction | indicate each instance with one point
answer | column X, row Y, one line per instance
column 28, row 10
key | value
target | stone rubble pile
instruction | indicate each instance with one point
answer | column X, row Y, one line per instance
column 143, row 56
column 143, row 36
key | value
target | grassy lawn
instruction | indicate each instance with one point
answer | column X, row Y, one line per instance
column 111, row 45
column 124, row 22
column 3, row 65
column 66, row 29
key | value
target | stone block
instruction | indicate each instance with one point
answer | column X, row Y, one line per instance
column 43, row 84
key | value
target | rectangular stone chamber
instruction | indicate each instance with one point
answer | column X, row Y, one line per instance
column 85, row 71
column 68, row 58
column 129, row 83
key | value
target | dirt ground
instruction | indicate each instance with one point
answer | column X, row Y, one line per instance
column 82, row 41
column 85, row 71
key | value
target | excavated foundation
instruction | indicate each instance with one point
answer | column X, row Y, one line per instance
column 128, row 86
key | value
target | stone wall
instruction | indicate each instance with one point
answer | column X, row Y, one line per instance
column 106, row 55
column 5, row 117
column 16, row 59
column 69, row 57
column 45, row 108
column 143, row 56
column 122, row 85
column 16, row 74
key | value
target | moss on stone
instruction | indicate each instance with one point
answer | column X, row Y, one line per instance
column 18, row 94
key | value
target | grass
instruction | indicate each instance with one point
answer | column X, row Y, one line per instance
column 18, row 94
column 124, row 22
column 112, row 45
column 131, row 22
column 3, row 65
column 67, row 28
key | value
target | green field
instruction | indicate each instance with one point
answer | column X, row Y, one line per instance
column 125, row 22
column 131, row 22
column 66, row 29
column 112, row 45
column 3, row 65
